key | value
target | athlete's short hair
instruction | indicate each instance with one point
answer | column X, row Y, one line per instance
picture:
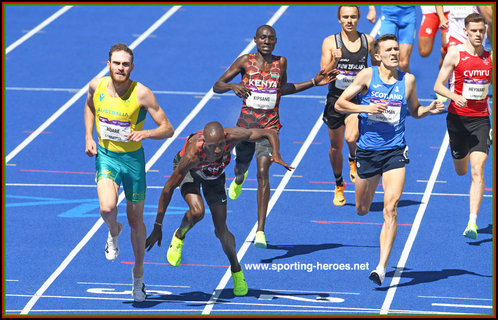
column 339, row 11
column 121, row 47
column 382, row 39
column 474, row 17
column 266, row 26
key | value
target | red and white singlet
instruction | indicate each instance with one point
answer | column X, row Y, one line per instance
column 471, row 79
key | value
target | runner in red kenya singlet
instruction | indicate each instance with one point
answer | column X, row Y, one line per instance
column 264, row 81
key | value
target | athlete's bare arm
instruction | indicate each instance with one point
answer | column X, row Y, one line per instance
column 416, row 110
column 372, row 14
column 223, row 84
column 90, row 145
column 148, row 101
column 359, row 84
column 330, row 53
column 443, row 22
column 449, row 64
column 325, row 76
column 188, row 161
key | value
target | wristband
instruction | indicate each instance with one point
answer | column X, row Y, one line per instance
column 157, row 223
column 313, row 82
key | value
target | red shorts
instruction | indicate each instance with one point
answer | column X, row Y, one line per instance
column 430, row 25
column 451, row 42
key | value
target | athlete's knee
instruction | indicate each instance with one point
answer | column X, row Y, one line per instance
column 404, row 65
column 361, row 209
column 477, row 172
column 424, row 52
column 461, row 171
column 262, row 176
column 197, row 216
column 136, row 222
column 336, row 144
column 351, row 136
column 240, row 168
column 222, row 232
column 196, row 213
column 390, row 212
column 107, row 210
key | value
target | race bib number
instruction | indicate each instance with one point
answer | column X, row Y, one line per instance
column 262, row 99
column 475, row 89
column 391, row 115
column 345, row 78
column 461, row 12
column 114, row 130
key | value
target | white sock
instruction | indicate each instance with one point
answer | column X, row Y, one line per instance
column 380, row 269
column 472, row 218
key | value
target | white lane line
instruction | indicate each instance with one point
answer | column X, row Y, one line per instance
column 37, row 28
column 458, row 298
column 244, row 189
column 416, row 225
column 191, row 93
column 461, row 305
column 99, row 223
column 84, row 90
column 307, row 291
column 292, row 308
column 188, row 93
column 273, row 200
column 129, row 284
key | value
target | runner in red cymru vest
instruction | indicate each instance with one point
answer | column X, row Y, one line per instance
column 469, row 67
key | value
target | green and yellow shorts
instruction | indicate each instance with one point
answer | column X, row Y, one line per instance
column 125, row 167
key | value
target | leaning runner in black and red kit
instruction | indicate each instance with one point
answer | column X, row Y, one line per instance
column 470, row 68
column 347, row 50
column 202, row 162
column 264, row 81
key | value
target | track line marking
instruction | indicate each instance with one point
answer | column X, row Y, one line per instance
column 99, row 222
column 416, row 225
column 220, row 95
column 245, row 189
column 436, row 297
column 37, row 28
column 353, row 222
column 54, row 171
column 129, row 284
column 294, row 308
column 307, row 291
column 183, row 264
column 461, row 305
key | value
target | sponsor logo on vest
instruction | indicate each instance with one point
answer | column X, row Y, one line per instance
column 262, row 83
column 115, row 113
column 383, row 95
column 476, row 73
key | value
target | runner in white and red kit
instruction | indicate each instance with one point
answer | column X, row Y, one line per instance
column 468, row 67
